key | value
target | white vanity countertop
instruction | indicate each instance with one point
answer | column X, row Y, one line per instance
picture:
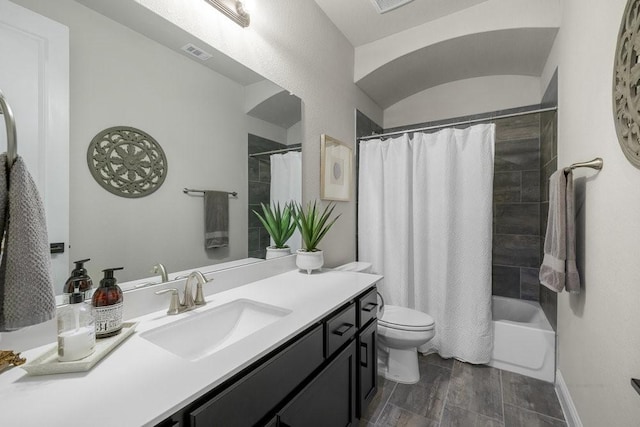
column 140, row 383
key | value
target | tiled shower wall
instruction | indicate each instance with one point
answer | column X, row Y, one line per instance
column 516, row 207
column 548, row 164
column 259, row 192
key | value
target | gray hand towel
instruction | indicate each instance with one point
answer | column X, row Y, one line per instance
column 216, row 219
column 558, row 270
column 26, row 287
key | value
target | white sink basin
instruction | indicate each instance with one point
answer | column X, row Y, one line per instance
column 202, row 334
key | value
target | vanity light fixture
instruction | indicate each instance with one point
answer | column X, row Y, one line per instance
column 233, row 9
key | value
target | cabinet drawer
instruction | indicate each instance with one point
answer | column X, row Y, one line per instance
column 251, row 398
column 339, row 329
column 367, row 307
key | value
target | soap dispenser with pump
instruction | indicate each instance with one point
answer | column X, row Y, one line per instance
column 107, row 305
column 79, row 276
column 76, row 328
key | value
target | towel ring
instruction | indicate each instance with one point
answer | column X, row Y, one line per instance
column 10, row 125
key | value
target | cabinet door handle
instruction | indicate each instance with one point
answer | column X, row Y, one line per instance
column 343, row 329
column 370, row 307
column 364, row 360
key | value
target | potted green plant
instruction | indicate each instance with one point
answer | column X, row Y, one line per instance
column 313, row 224
column 280, row 224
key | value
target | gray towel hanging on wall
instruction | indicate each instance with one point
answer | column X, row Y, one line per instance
column 216, row 219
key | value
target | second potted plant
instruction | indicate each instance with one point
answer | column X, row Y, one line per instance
column 280, row 224
column 313, row 226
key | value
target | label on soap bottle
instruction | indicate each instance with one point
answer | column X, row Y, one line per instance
column 108, row 319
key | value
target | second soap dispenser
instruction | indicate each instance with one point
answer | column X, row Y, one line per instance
column 107, row 305
column 79, row 277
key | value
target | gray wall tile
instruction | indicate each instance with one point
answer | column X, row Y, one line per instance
column 507, row 186
column 254, row 169
column 517, row 218
column 506, row 281
column 545, row 173
column 547, row 137
column 515, row 250
column 549, row 303
column 529, row 284
column 254, row 239
column 517, row 155
column 254, row 222
column 365, row 126
column 548, row 165
column 530, row 186
column 520, row 127
column 259, row 193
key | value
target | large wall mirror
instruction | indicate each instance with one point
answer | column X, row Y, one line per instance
column 209, row 113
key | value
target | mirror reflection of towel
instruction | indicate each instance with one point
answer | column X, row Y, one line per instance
column 216, row 219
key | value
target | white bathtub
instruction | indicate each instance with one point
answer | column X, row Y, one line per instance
column 524, row 341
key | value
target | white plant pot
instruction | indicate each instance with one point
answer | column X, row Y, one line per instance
column 309, row 261
column 273, row 252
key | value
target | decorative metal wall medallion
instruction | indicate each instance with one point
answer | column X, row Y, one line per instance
column 127, row 161
column 626, row 84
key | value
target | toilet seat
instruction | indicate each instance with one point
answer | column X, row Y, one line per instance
column 405, row 319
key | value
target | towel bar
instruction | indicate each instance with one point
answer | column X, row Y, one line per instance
column 190, row 190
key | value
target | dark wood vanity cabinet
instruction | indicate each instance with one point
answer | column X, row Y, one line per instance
column 324, row 377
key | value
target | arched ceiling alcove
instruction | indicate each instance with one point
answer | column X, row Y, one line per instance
column 427, row 43
column 517, row 51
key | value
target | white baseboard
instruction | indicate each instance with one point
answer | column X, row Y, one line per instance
column 569, row 409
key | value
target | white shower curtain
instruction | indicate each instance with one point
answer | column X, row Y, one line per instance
column 286, row 185
column 425, row 223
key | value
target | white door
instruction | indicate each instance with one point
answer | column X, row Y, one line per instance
column 34, row 77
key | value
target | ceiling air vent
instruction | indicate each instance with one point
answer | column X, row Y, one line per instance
column 196, row 51
column 383, row 6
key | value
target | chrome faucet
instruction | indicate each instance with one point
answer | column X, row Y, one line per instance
column 188, row 302
column 160, row 269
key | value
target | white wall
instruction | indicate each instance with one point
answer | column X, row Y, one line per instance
column 464, row 97
column 119, row 77
column 294, row 134
column 598, row 330
column 294, row 44
column 266, row 130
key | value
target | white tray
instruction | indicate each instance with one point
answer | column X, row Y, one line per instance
column 47, row 363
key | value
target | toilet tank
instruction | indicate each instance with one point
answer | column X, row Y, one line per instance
column 358, row 266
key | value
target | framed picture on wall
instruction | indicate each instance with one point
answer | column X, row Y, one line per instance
column 336, row 169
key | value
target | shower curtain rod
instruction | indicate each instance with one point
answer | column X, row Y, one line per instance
column 282, row 150
column 466, row 122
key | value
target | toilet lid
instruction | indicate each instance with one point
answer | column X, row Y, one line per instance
column 406, row 319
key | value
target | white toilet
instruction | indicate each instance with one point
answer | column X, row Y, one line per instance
column 400, row 332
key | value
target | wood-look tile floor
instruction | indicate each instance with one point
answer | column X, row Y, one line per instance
column 455, row 394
